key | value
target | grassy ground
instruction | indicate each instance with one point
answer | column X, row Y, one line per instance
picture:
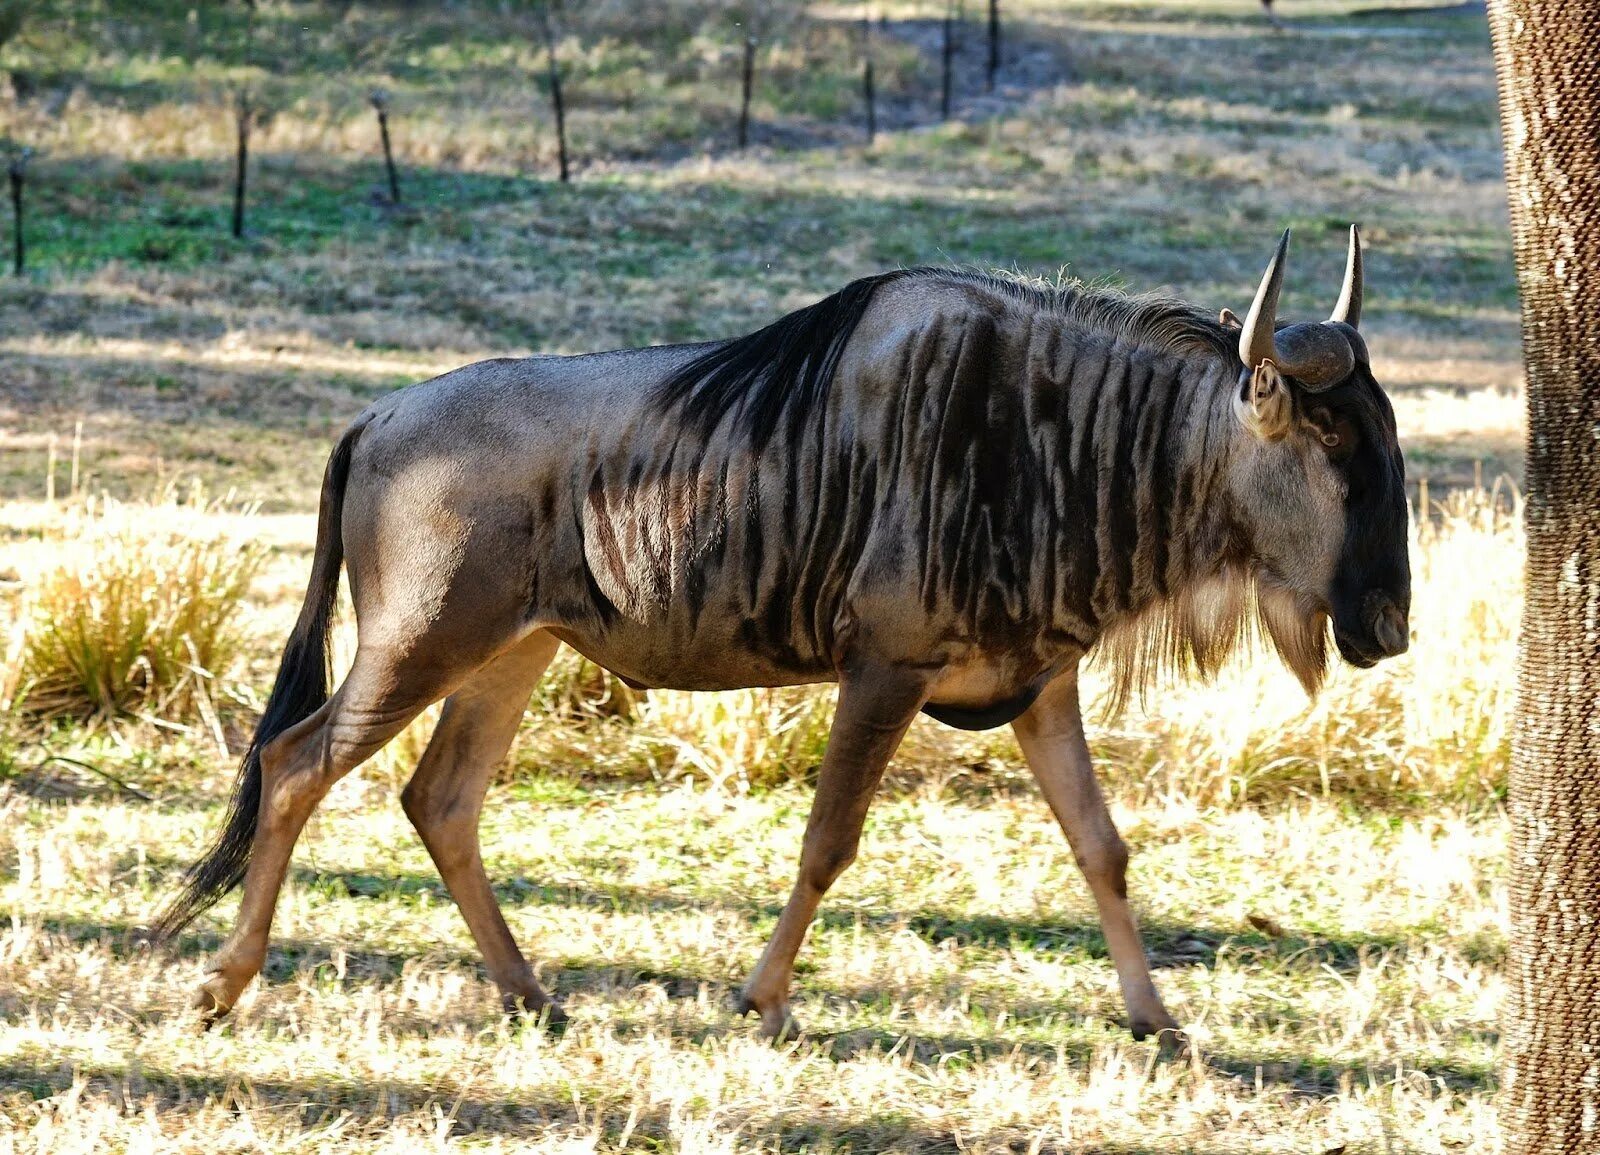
column 1321, row 888
column 957, row 989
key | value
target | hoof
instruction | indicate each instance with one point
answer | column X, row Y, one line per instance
column 545, row 1015
column 777, row 1023
column 1171, row 1043
column 208, row 1000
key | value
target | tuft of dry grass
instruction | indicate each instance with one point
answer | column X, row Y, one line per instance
column 131, row 613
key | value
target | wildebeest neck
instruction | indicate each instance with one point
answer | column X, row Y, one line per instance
column 1077, row 472
column 982, row 469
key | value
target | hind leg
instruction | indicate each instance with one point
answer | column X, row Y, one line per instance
column 444, row 801
column 379, row 697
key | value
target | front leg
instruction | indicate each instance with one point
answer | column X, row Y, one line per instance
column 1051, row 737
column 875, row 708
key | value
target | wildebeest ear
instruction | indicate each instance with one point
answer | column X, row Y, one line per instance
column 1230, row 320
column 1263, row 404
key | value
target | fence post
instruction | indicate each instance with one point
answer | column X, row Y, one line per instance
column 380, row 101
column 994, row 41
column 555, row 94
column 748, row 86
column 949, row 55
column 16, row 170
column 241, row 162
column 242, row 111
column 868, row 90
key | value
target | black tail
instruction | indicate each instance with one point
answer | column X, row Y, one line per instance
column 300, row 690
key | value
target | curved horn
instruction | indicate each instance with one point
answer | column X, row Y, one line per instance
column 1348, row 310
column 1255, row 339
column 1317, row 354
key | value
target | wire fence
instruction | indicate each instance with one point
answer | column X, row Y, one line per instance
column 772, row 55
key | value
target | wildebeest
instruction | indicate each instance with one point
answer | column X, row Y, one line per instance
column 940, row 489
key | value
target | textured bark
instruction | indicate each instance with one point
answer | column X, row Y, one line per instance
column 1548, row 59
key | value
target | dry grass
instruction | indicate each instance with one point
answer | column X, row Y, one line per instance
column 467, row 84
column 956, row 988
column 587, row 725
column 129, row 610
column 1322, row 887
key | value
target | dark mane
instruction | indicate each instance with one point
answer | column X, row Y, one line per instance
column 788, row 366
column 782, row 372
column 1140, row 318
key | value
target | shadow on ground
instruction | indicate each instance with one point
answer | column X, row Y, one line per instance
column 321, row 1102
column 1075, row 1038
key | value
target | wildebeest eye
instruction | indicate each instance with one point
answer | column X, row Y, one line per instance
column 1334, row 430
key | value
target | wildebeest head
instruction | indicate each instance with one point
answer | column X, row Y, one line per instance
column 1319, row 485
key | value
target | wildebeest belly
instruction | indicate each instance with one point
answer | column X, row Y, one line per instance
column 983, row 693
column 984, row 717
column 970, row 694
column 652, row 658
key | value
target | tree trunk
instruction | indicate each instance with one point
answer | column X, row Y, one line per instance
column 1547, row 55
